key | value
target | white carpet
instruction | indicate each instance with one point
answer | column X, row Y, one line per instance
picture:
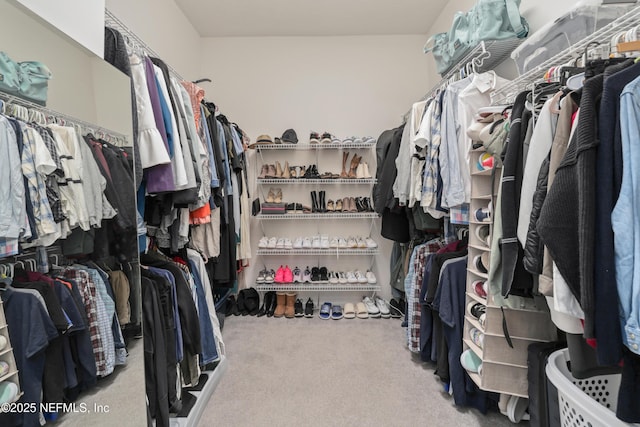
column 313, row 372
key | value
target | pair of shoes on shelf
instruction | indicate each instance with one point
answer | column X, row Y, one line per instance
column 274, row 195
column 377, row 307
column 318, row 204
column 296, row 208
column 284, row 275
column 325, row 138
column 285, row 305
column 284, row 243
column 266, row 277
column 307, row 311
column 397, row 308
column 319, row 275
column 330, row 311
column 311, row 172
column 353, row 165
column 275, row 171
column 268, row 305
column 358, row 140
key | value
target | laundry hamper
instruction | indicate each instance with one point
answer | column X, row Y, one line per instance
column 577, row 398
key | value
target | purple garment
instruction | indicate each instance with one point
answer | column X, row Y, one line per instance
column 160, row 177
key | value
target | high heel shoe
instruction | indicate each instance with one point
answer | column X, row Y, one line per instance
column 278, row 195
column 345, row 157
column 271, row 196
column 330, row 206
column 278, row 170
column 286, row 173
column 354, row 165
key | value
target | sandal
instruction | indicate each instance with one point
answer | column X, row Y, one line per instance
column 336, row 312
column 361, row 311
column 325, row 311
column 330, row 206
column 349, row 311
column 338, row 206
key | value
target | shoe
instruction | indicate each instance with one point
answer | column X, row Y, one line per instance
column 355, row 160
column 271, row 172
column 323, row 275
column 368, row 140
column 272, row 243
column 361, row 311
column 306, row 243
column 357, row 140
column 360, row 277
column 286, row 171
column 297, row 308
column 360, row 204
column 371, row 278
column 330, row 206
column 394, row 309
column 338, row 206
column 290, row 311
column 476, row 310
column 269, row 277
column 297, row 244
column 351, row 277
column 308, row 309
column 470, row 361
column 372, row 309
column 351, row 243
column 479, row 288
column 287, row 243
column 280, row 243
column 360, row 171
column 336, row 312
column 278, row 198
column 385, row 313
column 279, row 275
column 352, row 205
column 335, row 140
column 264, row 172
column 306, row 276
column 263, row 242
column 371, row 244
column 324, row 242
column 281, row 304
column 322, row 204
column 271, row 196
column 349, row 311
column 261, row 277
column 315, row 274
column 365, row 171
column 333, row 278
column 342, row 243
column 334, row 242
column 360, row 243
column 478, row 263
column 315, row 244
column 297, row 275
column 326, row 138
column 287, row 275
column 314, row 138
column 315, row 207
column 325, row 311
column 263, row 308
column 293, row 172
column 483, row 214
column 342, row 278
column 482, row 233
column 278, row 170
column 477, row 337
column 368, row 206
column 270, row 303
column 345, row 157
column 348, row 140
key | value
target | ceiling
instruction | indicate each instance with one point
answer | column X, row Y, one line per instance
column 229, row 18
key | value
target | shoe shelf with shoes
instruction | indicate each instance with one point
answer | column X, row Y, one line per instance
column 298, row 181
column 10, row 390
column 486, row 355
column 287, row 216
column 317, row 245
column 315, row 279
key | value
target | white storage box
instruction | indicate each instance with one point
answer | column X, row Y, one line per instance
column 564, row 32
column 577, row 398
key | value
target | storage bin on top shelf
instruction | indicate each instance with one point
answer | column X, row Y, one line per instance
column 569, row 29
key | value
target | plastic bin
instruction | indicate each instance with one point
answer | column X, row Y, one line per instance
column 576, row 396
column 564, row 32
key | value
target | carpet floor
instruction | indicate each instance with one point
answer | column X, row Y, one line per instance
column 313, row 372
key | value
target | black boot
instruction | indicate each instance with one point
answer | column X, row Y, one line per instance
column 271, row 303
column 322, row 206
column 314, row 202
column 263, row 308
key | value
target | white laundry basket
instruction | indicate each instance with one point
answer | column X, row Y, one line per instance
column 577, row 398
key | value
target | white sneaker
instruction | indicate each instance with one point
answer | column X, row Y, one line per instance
column 371, row 244
column 342, row 278
column 280, row 243
column 334, row 242
column 351, row 277
column 357, row 140
column 371, row 278
column 287, row 243
column 333, row 278
column 297, row 244
column 342, row 243
column 261, row 277
column 383, row 307
column 352, row 243
column 297, row 275
column 306, row 243
column 263, row 242
column 324, row 241
column 360, row 277
column 272, row 243
column 361, row 243
column 373, row 310
column 368, row 140
column 306, row 276
column 315, row 244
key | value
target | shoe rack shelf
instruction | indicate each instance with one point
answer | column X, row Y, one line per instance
column 6, row 355
column 361, row 215
column 307, row 147
column 323, row 252
column 318, row 287
column 499, row 361
column 368, row 181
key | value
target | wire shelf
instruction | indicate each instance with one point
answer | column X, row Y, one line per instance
column 507, row 93
column 307, row 147
column 318, row 287
column 302, row 181
column 368, row 215
column 326, row 252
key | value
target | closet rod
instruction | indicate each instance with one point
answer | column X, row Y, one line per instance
column 11, row 99
column 110, row 20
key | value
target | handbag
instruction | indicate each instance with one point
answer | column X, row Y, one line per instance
column 28, row 80
column 487, row 20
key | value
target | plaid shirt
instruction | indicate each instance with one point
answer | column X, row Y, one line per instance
column 432, row 154
column 413, row 285
column 89, row 299
column 45, row 222
column 53, row 192
column 8, row 247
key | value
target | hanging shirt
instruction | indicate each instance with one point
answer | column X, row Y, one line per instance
column 402, row 184
column 12, row 211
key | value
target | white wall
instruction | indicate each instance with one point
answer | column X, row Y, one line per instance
column 79, row 19
column 344, row 85
column 165, row 29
